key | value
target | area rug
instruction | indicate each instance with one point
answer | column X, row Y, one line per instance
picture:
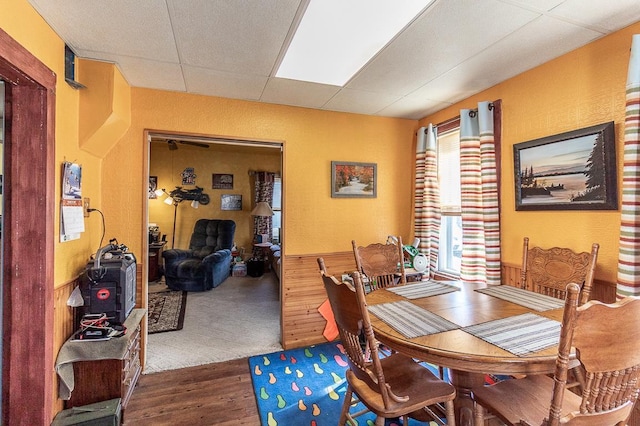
column 305, row 387
column 166, row 311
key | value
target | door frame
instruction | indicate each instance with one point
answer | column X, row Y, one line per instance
column 28, row 236
column 147, row 135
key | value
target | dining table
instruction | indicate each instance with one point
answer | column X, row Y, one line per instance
column 472, row 329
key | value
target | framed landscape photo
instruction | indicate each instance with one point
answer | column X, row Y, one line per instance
column 353, row 180
column 570, row 171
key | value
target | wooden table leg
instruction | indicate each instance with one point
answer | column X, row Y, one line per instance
column 463, row 381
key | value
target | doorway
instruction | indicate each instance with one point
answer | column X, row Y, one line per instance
column 28, row 160
column 220, row 167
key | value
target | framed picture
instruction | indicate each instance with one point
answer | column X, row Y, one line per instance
column 231, row 202
column 153, row 185
column 350, row 179
column 570, row 171
column 222, row 181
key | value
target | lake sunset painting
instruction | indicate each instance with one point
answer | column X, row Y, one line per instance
column 574, row 170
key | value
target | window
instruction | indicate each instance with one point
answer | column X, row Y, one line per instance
column 276, row 206
column 450, row 252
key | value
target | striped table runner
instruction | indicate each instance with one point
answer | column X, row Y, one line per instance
column 422, row 289
column 529, row 299
column 520, row 335
column 411, row 320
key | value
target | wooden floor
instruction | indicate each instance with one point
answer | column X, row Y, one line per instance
column 213, row 394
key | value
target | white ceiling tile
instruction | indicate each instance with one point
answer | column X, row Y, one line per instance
column 131, row 28
column 360, row 101
column 493, row 66
column 233, row 36
column 438, row 41
column 297, row 93
column 610, row 15
column 541, row 5
column 412, row 107
column 227, row 85
column 149, row 74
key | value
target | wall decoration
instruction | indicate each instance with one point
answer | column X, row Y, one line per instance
column 71, row 208
column 231, row 202
column 571, row 171
column 188, row 176
column 153, row 185
column 350, row 179
column 71, row 181
column 222, row 181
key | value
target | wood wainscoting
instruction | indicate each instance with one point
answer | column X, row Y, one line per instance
column 303, row 292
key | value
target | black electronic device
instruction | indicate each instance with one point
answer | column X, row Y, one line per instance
column 108, row 284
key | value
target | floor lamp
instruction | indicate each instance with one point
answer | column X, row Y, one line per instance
column 175, row 201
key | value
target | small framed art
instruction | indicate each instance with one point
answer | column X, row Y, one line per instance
column 353, row 180
column 231, row 202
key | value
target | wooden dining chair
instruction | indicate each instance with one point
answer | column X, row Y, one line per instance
column 606, row 338
column 382, row 264
column 549, row 271
column 395, row 386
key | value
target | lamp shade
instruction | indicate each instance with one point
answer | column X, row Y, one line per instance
column 262, row 209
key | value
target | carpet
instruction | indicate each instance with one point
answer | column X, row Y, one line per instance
column 166, row 311
column 238, row 319
column 305, row 386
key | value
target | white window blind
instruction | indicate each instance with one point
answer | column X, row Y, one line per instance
column 449, row 171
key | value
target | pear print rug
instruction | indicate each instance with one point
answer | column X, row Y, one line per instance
column 305, row 387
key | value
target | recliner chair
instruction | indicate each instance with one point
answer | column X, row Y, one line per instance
column 207, row 262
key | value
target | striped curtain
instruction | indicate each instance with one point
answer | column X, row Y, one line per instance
column 263, row 188
column 629, row 248
column 479, row 197
column 427, row 198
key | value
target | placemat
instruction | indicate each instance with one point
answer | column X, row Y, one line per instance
column 529, row 299
column 423, row 289
column 411, row 320
column 521, row 335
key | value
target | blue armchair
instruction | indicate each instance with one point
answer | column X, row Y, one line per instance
column 207, row 262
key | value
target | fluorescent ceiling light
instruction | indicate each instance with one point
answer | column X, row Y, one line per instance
column 336, row 38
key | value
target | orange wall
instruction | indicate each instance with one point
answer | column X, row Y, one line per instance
column 313, row 221
column 582, row 88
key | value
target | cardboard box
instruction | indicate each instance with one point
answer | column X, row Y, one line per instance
column 105, row 413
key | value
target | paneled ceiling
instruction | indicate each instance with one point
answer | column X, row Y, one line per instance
column 231, row 48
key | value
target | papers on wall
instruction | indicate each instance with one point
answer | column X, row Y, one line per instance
column 71, row 209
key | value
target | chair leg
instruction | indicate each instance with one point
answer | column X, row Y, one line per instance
column 478, row 414
column 450, row 412
column 345, row 406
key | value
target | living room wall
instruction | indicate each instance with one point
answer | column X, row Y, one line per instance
column 168, row 165
column 585, row 87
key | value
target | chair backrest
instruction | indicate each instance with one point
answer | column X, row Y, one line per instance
column 382, row 264
column 211, row 235
column 352, row 318
column 606, row 338
column 549, row 271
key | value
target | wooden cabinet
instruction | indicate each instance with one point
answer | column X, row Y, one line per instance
column 97, row 379
column 155, row 260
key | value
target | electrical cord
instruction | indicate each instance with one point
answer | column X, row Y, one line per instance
column 103, row 227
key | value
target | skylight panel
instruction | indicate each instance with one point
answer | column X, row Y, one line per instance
column 336, row 38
